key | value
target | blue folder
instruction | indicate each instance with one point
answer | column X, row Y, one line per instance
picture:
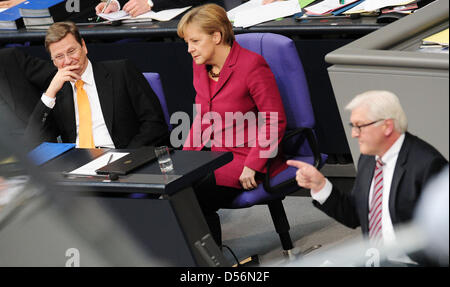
column 39, row 4
column 13, row 17
column 47, row 151
column 348, row 7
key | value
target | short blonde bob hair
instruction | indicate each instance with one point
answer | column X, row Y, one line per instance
column 210, row 18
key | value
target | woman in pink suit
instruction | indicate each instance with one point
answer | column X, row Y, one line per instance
column 238, row 109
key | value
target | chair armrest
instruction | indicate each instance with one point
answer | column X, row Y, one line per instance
column 310, row 137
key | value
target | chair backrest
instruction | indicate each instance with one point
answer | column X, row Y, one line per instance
column 281, row 55
column 155, row 82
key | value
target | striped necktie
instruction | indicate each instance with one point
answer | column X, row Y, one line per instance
column 85, row 137
column 376, row 205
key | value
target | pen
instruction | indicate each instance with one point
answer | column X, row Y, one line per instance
column 351, row 16
column 104, row 8
column 71, row 175
column 110, row 158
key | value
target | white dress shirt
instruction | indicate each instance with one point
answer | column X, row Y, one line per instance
column 389, row 159
column 102, row 138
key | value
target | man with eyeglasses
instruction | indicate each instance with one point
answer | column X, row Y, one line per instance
column 106, row 104
column 393, row 168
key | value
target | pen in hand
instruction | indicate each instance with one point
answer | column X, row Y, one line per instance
column 103, row 10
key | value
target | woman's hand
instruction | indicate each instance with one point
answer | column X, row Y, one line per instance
column 247, row 178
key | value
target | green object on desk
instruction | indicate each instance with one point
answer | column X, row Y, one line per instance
column 304, row 3
column 341, row 1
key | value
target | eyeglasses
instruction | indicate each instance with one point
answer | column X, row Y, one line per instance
column 70, row 53
column 357, row 128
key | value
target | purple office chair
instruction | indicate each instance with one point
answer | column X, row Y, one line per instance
column 155, row 82
column 299, row 142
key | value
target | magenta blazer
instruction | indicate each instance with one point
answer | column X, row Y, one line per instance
column 246, row 87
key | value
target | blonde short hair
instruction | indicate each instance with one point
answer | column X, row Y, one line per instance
column 381, row 105
column 210, row 18
column 57, row 31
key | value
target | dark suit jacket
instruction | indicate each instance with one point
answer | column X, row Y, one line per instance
column 23, row 78
column 131, row 110
column 417, row 162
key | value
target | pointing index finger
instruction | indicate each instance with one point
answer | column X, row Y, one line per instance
column 296, row 163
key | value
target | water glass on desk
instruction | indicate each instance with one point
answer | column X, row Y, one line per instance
column 164, row 160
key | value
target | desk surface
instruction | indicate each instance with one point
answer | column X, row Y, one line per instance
column 287, row 26
column 189, row 166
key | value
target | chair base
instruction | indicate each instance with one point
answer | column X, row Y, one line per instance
column 310, row 249
column 295, row 253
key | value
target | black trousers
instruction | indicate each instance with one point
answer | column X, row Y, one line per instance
column 211, row 198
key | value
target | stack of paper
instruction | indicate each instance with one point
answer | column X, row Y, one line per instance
column 404, row 9
column 164, row 15
column 436, row 43
column 253, row 12
column 327, row 6
column 372, row 6
column 440, row 38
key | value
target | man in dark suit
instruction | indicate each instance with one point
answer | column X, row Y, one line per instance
column 23, row 78
column 106, row 104
column 393, row 168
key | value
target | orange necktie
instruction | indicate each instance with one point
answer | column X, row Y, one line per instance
column 85, row 138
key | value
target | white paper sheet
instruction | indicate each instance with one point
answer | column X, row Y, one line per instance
column 357, row 9
column 252, row 4
column 164, row 15
column 372, row 5
column 326, row 6
column 92, row 166
column 263, row 13
column 113, row 16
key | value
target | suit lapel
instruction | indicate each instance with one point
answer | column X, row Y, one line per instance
column 104, row 85
column 227, row 69
column 67, row 110
column 201, row 82
column 398, row 174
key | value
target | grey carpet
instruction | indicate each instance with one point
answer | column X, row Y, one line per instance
column 250, row 231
